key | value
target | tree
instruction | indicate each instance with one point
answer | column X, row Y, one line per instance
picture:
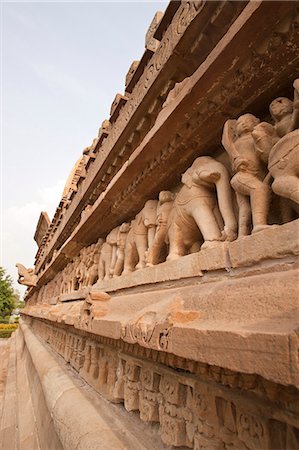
column 7, row 295
column 18, row 302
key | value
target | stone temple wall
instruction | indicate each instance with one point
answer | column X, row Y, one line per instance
column 167, row 281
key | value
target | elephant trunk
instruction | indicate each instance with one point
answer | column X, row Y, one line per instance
column 151, row 235
column 225, row 202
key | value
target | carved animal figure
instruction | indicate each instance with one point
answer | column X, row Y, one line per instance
column 104, row 262
column 73, row 278
column 140, row 237
column 108, row 256
column 196, row 214
column 81, row 268
column 93, row 262
column 26, row 276
column 66, row 274
column 111, row 239
column 158, row 247
column 58, row 284
column 120, row 252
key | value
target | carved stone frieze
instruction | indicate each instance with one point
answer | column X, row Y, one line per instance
column 190, row 406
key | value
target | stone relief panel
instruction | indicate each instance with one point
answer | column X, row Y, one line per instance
column 203, row 209
column 195, row 405
column 140, row 237
column 214, row 203
column 264, row 157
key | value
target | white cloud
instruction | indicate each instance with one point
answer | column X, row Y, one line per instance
column 19, row 224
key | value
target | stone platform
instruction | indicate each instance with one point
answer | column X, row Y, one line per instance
column 215, row 324
column 71, row 414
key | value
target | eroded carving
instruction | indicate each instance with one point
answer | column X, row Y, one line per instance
column 197, row 216
column 26, row 276
column 250, row 181
column 140, row 237
column 279, row 145
column 157, row 250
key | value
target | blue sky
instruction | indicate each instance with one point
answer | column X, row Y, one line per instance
column 62, row 64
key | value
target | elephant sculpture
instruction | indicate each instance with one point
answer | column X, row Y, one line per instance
column 88, row 264
column 66, row 273
column 108, row 256
column 121, row 245
column 158, row 250
column 93, row 262
column 202, row 209
column 140, row 237
column 58, row 284
column 81, row 269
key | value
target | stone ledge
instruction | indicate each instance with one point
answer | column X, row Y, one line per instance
column 275, row 242
column 77, row 295
column 8, row 419
column 244, row 324
column 177, row 394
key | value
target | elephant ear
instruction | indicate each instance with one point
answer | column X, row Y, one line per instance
column 187, row 177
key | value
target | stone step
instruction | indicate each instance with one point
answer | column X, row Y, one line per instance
column 8, row 426
column 80, row 417
column 4, row 353
column 28, row 436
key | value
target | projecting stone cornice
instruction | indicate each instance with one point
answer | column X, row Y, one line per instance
column 181, row 51
column 233, row 79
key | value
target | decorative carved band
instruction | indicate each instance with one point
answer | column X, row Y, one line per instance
column 196, row 405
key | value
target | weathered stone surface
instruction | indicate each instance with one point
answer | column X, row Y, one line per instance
column 168, row 278
column 208, row 322
column 200, row 404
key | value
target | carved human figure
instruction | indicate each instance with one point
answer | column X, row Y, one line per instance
column 155, row 252
column 120, row 252
column 280, row 143
column 140, row 237
column 196, row 213
column 285, row 112
column 249, row 182
column 27, row 277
